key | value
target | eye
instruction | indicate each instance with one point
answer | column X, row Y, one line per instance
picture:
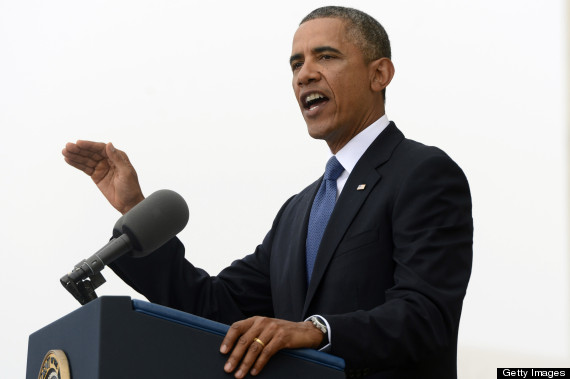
column 296, row 65
column 326, row 57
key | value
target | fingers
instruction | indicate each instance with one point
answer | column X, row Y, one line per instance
column 242, row 337
column 90, row 157
column 235, row 331
column 259, row 355
column 85, row 150
column 84, row 155
column 257, row 339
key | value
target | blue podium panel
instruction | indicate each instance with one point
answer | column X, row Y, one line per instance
column 114, row 337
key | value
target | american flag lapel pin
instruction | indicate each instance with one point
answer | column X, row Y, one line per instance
column 361, row 187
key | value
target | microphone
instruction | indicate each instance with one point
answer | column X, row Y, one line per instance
column 139, row 232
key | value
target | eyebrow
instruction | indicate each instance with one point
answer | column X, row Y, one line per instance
column 319, row 49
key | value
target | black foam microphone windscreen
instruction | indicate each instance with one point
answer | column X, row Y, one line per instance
column 154, row 221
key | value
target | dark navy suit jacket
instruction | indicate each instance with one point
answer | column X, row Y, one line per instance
column 390, row 275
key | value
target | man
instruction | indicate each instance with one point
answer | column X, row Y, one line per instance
column 378, row 251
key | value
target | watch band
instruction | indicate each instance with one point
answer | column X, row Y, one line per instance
column 319, row 324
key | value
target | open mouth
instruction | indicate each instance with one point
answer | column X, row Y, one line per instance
column 313, row 100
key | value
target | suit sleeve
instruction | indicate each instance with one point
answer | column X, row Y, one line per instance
column 432, row 230
column 165, row 277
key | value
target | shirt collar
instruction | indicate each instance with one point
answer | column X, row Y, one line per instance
column 349, row 155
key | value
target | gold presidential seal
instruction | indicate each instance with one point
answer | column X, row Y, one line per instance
column 55, row 366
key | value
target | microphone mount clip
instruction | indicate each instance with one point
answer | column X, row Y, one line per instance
column 83, row 281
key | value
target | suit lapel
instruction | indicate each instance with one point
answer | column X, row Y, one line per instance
column 350, row 201
column 299, row 272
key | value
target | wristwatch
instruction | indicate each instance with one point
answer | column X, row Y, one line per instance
column 319, row 324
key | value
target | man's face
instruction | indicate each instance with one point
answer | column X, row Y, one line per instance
column 332, row 82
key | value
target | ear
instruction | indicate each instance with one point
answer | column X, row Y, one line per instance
column 381, row 73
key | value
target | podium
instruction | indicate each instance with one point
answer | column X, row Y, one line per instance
column 114, row 337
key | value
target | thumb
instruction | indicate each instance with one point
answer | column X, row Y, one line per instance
column 117, row 157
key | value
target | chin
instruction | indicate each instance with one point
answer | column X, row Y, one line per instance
column 316, row 133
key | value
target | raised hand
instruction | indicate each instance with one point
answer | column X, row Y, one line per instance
column 110, row 170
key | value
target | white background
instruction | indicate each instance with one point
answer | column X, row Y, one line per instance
column 199, row 95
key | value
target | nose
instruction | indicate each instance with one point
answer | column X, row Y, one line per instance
column 308, row 73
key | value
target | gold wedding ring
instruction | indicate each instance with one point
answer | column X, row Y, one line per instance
column 259, row 341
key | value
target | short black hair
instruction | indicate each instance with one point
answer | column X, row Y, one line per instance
column 367, row 33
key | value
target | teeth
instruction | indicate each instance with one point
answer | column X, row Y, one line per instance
column 313, row 96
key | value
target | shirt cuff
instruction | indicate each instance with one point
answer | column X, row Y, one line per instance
column 327, row 347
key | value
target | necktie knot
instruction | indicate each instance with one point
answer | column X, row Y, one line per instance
column 333, row 169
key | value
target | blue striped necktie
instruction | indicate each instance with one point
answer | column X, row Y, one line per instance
column 323, row 206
